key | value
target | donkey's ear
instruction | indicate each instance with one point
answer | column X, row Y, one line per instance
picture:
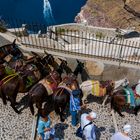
column 35, row 54
column 14, row 42
column 60, row 59
column 77, row 61
column 45, row 52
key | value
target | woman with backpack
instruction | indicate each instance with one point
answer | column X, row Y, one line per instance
column 88, row 128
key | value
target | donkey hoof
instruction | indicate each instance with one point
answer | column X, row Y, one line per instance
column 85, row 101
column 62, row 120
column 18, row 112
column 135, row 113
column 5, row 103
column 84, row 106
column 16, row 103
column 122, row 116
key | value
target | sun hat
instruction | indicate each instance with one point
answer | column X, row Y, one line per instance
column 93, row 115
column 127, row 128
column 139, row 81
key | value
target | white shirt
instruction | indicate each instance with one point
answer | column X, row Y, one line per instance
column 88, row 128
column 120, row 136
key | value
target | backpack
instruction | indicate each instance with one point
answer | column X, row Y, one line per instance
column 79, row 131
column 93, row 132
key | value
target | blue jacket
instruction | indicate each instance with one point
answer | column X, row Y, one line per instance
column 75, row 100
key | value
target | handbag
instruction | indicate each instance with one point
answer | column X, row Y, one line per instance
column 79, row 131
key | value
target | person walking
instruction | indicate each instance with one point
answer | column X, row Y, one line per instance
column 89, row 129
column 123, row 135
column 44, row 130
column 75, row 105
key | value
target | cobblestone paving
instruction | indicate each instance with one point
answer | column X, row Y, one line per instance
column 14, row 126
column 18, row 127
column 104, row 123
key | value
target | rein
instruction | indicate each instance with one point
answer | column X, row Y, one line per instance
column 53, row 78
column 60, row 92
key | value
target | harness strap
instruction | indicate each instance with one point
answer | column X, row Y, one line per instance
column 7, row 80
column 65, row 87
column 9, row 76
column 87, row 125
column 53, row 78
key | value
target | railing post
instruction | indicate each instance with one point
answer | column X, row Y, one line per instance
column 120, row 60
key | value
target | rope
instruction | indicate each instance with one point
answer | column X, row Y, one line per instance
column 61, row 91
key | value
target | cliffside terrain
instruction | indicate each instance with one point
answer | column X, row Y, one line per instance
column 111, row 13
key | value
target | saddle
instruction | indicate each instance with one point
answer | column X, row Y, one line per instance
column 130, row 98
column 7, row 78
column 50, row 87
column 97, row 89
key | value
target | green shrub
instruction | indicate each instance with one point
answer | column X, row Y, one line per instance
column 99, row 35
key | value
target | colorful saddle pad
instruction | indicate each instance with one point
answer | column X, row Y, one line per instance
column 97, row 90
column 50, row 87
column 130, row 96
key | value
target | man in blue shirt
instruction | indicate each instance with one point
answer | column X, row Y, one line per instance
column 75, row 105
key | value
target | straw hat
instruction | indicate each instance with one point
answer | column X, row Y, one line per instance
column 93, row 115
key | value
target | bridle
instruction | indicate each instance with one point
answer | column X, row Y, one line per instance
column 51, row 75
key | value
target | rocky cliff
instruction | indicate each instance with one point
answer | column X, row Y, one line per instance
column 111, row 13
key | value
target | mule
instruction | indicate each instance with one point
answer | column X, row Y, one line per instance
column 63, row 67
column 119, row 100
column 20, row 81
column 10, row 86
column 61, row 96
column 44, row 63
column 12, row 49
column 79, row 68
column 43, row 90
column 100, row 88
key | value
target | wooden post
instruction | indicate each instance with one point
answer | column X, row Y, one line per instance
column 105, row 100
column 33, row 134
column 114, row 121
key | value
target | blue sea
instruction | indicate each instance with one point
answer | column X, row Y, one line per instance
column 48, row 12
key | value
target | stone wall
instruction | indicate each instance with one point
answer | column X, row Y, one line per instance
column 109, row 32
column 101, row 71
